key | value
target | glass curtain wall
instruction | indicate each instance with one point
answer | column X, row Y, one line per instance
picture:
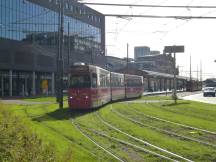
column 25, row 21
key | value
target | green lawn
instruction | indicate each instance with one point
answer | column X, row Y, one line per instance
column 44, row 99
column 56, row 126
column 159, row 97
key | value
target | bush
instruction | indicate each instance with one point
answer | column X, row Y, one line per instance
column 19, row 143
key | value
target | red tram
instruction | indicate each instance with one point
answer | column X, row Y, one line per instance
column 91, row 86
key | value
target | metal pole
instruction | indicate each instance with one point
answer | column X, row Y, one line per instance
column 10, row 83
column 2, row 86
column 127, row 55
column 69, row 49
column 200, row 71
column 175, row 92
column 68, row 45
column 91, row 39
column 190, row 76
column 60, row 57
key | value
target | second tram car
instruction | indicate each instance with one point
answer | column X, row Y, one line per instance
column 91, row 86
column 133, row 86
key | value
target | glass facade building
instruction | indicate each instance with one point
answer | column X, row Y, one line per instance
column 28, row 21
column 29, row 42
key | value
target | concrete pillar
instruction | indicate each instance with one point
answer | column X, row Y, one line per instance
column 33, row 84
column 160, row 84
column 164, row 84
column 26, row 86
column 11, row 83
column 149, row 82
column 170, row 84
column 53, row 83
column 2, row 85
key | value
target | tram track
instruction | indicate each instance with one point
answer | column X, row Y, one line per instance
column 175, row 123
column 110, row 153
column 115, row 156
column 161, row 130
column 129, row 144
column 56, row 131
column 143, row 141
column 167, row 155
column 95, row 142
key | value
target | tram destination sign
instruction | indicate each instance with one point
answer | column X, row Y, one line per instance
column 173, row 49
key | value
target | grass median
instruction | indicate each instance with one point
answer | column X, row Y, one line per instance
column 55, row 126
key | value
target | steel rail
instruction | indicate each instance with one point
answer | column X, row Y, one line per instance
column 183, row 125
column 130, row 144
column 88, row 137
column 93, row 141
column 162, row 130
column 140, row 140
column 58, row 132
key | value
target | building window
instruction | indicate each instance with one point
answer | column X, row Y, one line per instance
column 71, row 8
column 66, row 6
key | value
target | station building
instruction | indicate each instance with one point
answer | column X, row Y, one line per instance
column 157, row 81
column 29, row 43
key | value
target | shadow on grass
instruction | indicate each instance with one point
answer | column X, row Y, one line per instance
column 62, row 114
column 176, row 104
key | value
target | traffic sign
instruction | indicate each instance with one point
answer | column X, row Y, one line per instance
column 173, row 49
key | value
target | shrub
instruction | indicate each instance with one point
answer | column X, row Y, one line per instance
column 19, row 143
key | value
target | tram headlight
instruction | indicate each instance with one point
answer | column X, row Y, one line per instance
column 71, row 97
column 86, row 97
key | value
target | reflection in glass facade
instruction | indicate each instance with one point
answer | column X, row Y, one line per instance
column 29, row 22
column 29, row 43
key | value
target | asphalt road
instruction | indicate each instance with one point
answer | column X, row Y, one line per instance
column 199, row 97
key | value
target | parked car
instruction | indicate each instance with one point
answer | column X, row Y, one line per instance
column 209, row 91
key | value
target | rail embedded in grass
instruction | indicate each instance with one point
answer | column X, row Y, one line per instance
column 175, row 123
column 161, row 130
column 95, row 142
column 55, row 130
column 142, row 141
column 131, row 145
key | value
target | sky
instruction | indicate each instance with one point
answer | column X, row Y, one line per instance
column 198, row 36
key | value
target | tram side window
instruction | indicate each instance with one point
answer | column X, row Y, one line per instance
column 94, row 80
column 104, row 80
column 80, row 81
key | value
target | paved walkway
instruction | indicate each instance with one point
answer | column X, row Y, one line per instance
column 22, row 102
column 146, row 101
column 199, row 97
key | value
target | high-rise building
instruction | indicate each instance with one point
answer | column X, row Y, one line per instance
column 141, row 51
column 29, row 43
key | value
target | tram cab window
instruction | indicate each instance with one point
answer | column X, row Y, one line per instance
column 94, row 80
column 80, row 81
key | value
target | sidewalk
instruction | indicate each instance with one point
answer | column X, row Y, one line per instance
column 179, row 93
